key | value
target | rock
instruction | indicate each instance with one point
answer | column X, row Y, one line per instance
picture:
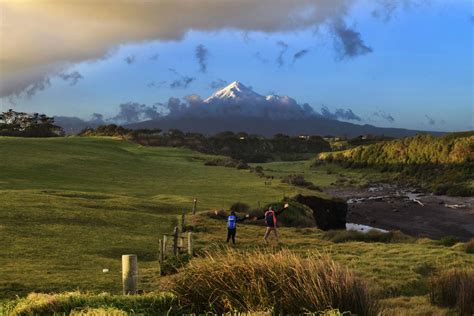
column 328, row 213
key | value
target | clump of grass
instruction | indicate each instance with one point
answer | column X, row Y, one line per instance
column 448, row 241
column 110, row 311
column 453, row 288
column 172, row 263
column 299, row 181
column 339, row 236
column 65, row 303
column 470, row 246
column 283, row 282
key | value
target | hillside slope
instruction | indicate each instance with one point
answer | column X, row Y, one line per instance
column 444, row 164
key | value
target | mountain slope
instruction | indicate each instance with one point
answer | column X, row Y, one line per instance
column 266, row 127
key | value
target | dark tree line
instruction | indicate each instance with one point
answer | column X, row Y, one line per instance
column 22, row 124
column 240, row 146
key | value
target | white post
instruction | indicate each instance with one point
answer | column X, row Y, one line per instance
column 129, row 274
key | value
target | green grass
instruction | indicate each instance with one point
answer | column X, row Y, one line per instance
column 71, row 206
column 322, row 176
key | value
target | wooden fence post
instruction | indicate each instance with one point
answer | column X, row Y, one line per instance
column 183, row 221
column 129, row 274
column 161, row 256
column 194, row 205
column 165, row 239
column 175, row 241
column 190, row 243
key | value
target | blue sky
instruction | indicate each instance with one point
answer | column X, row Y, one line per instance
column 420, row 70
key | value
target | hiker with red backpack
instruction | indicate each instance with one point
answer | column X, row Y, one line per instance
column 270, row 217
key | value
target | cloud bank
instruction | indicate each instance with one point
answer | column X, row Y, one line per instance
column 31, row 30
column 343, row 114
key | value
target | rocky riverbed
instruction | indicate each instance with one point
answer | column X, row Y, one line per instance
column 392, row 207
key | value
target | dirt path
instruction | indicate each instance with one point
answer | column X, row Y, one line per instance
column 389, row 207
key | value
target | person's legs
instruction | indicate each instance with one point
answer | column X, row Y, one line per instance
column 276, row 234
column 229, row 234
column 234, row 231
column 267, row 233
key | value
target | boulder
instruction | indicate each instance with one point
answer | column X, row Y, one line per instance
column 328, row 213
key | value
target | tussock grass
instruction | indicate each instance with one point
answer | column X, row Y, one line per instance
column 283, row 282
column 454, row 288
column 470, row 246
column 339, row 236
column 79, row 303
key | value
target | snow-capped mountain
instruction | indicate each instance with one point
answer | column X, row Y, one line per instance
column 238, row 108
column 239, row 100
column 235, row 92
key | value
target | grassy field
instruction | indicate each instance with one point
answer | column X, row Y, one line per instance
column 72, row 206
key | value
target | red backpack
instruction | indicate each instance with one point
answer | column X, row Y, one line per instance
column 270, row 218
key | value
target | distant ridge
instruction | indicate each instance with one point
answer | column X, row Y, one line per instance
column 266, row 127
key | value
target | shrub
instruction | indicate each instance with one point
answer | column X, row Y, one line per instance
column 239, row 207
column 339, row 236
column 283, row 282
column 299, row 181
column 470, row 246
column 64, row 303
column 453, row 288
column 448, row 241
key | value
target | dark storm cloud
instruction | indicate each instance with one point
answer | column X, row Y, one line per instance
column 300, row 54
column 72, row 77
column 182, row 83
column 202, row 55
column 344, row 114
column 40, row 85
column 348, row 42
column 385, row 116
column 130, row 59
column 283, row 48
column 219, row 83
column 132, row 112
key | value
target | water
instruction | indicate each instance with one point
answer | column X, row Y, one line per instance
column 363, row 228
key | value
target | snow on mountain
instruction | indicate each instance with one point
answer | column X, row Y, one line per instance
column 235, row 92
column 239, row 100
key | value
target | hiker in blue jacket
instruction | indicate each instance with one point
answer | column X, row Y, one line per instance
column 232, row 225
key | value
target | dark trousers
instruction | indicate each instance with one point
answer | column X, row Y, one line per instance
column 231, row 234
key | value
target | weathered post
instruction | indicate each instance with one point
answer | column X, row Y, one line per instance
column 129, row 274
column 194, row 205
column 190, row 243
column 175, row 241
column 165, row 240
column 161, row 255
column 183, row 221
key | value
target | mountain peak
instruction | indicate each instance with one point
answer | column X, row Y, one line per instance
column 235, row 91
